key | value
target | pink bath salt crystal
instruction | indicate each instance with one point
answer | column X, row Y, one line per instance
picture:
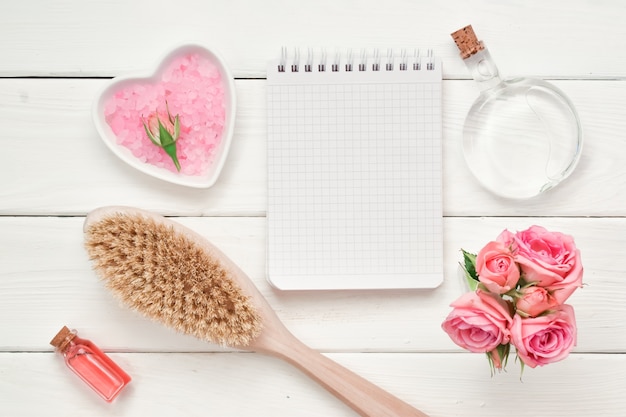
column 193, row 89
column 117, row 124
column 208, row 71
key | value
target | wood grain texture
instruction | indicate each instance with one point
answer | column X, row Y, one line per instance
column 47, row 282
column 252, row 323
column 251, row 385
column 76, row 38
column 51, row 122
column 56, row 57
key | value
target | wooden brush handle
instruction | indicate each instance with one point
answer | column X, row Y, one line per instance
column 361, row 395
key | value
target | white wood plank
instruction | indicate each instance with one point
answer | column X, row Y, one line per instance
column 56, row 157
column 54, row 167
column 53, row 161
column 46, row 282
column 598, row 176
column 555, row 39
column 241, row 385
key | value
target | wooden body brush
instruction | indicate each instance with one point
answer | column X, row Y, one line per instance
column 173, row 275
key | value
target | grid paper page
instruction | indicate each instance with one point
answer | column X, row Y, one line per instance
column 354, row 181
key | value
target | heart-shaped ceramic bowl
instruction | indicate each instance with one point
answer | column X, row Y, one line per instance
column 190, row 80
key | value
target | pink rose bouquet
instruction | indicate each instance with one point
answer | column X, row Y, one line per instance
column 519, row 284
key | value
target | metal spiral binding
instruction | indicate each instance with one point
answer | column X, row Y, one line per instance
column 416, row 61
column 296, row 61
column 363, row 63
column 335, row 65
column 389, row 64
column 405, row 61
column 309, row 61
column 283, row 59
column 349, row 61
column 376, row 64
column 321, row 67
column 430, row 65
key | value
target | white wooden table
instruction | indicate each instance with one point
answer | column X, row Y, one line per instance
column 55, row 56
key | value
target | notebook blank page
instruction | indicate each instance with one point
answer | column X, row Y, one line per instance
column 354, row 181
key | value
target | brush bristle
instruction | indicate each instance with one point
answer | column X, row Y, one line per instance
column 166, row 276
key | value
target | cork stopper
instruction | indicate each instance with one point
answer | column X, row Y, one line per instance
column 62, row 338
column 467, row 42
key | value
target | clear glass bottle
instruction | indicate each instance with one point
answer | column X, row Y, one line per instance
column 521, row 136
column 91, row 364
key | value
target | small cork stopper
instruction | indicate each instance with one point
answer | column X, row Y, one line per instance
column 62, row 338
column 467, row 42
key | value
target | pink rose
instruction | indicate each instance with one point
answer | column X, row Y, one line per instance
column 534, row 301
column 479, row 322
column 550, row 259
column 544, row 339
column 507, row 238
column 496, row 268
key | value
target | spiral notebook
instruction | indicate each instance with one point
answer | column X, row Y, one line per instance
column 354, row 171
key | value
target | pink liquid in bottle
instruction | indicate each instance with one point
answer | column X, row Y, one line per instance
column 92, row 365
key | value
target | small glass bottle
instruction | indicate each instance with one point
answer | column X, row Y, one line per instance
column 90, row 364
column 521, row 136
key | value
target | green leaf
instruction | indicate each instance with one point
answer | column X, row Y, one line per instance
column 471, row 282
column 171, row 151
column 522, row 366
column 499, row 355
column 164, row 136
column 469, row 267
column 504, row 351
column 469, row 262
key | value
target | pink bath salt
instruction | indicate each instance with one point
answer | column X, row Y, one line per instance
column 193, row 88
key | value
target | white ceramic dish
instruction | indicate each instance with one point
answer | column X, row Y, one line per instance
column 219, row 153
